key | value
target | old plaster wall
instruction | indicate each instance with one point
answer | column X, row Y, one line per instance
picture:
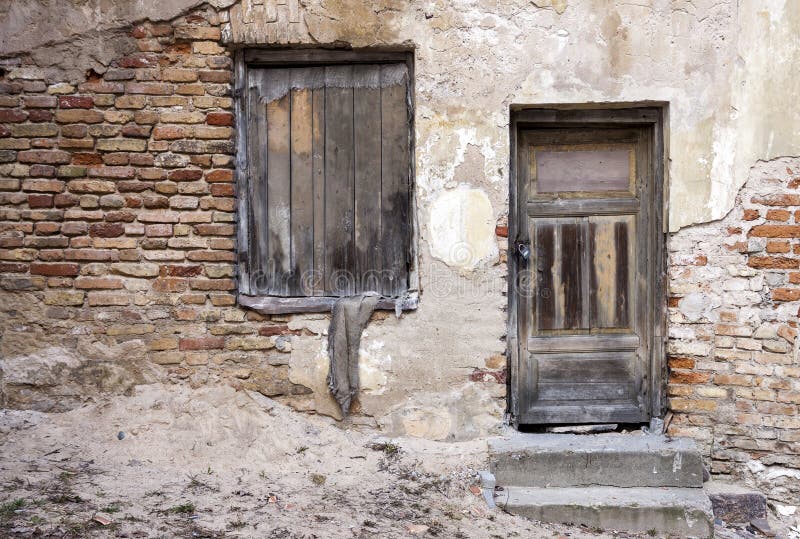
column 724, row 67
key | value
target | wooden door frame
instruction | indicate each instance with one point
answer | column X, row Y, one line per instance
column 551, row 116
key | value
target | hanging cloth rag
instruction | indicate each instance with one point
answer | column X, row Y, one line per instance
column 350, row 317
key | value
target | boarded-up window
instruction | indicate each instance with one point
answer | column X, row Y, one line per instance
column 327, row 180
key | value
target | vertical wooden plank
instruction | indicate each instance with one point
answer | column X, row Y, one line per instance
column 318, row 171
column 571, row 280
column 279, row 207
column 339, row 181
column 623, row 279
column 257, row 173
column 243, row 210
column 367, row 140
column 545, row 299
column 603, row 272
column 395, row 203
column 585, row 262
column 302, row 190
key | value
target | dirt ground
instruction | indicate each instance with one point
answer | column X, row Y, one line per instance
column 170, row 461
column 175, row 462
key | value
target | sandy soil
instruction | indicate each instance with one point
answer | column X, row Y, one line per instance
column 175, row 462
column 170, row 461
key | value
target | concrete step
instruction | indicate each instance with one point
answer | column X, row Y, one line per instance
column 660, row 512
column 616, row 460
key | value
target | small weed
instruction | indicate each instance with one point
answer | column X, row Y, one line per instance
column 237, row 524
column 8, row 508
column 36, row 520
column 301, row 450
column 318, row 479
column 388, row 448
column 182, row 509
column 65, row 476
column 152, row 493
column 263, row 475
column 652, row 532
column 65, row 498
column 112, row 508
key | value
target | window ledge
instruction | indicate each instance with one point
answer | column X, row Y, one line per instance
column 318, row 304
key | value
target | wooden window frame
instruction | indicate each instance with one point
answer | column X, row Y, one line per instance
column 245, row 59
column 651, row 114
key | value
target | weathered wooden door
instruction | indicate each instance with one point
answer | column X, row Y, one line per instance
column 587, row 258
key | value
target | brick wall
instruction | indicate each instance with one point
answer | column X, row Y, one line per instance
column 733, row 309
column 116, row 231
column 117, row 211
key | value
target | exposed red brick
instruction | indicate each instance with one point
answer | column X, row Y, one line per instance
column 208, row 229
column 40, row 101
column 91, row 255
column 222, row 189
column 773, row 262
column 62, row 270
column 778, row 247
column 170, row 285
column 168, row 132
column 39, row 115
column 201, row 343
column 185, row 174
column 786, row 294
column 136, row 131
column 102, row 283
column 138, row 31
column 215, row 76
column 219, row 118
column 779, row 215
column 213, row 284
column 47, row 157
column 776, row 231
column 689, row 377
column 12, row 116
column 83, row 158
column 681, row 363
column 271, row 331
column 221, row 175
column 13, row 267
column 138, row 60
column 778, row 200
column 211, row 256
column 181, row 271
column 106, row 230
column 40, row 201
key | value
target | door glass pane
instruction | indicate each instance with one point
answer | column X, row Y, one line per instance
column 587, row 170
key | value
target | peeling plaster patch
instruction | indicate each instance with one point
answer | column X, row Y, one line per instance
column 697, row 306
column 558, row 5
column 308, row 366
column 460, row 414
column 373, row 363
column 462, row 228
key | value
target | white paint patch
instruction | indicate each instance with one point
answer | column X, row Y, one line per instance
column 462, row 226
